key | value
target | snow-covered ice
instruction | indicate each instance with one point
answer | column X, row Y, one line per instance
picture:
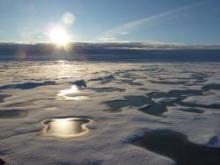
column 126, row 102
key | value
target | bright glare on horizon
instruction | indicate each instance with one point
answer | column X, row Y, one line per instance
column 59, row 36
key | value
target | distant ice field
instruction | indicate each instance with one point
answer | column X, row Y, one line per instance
column 93, row 113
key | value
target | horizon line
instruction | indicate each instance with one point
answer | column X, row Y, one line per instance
column 141, row 43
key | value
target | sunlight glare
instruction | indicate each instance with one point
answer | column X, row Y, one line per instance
column 59, row 36
column 71, row 94
column 66, row 127
column 64, row 93
column 68, row 18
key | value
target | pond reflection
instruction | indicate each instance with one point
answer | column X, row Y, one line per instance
column 66, row 127
column 71, row 94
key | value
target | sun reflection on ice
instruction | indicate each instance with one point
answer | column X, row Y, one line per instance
column 65, row 127
column 71, row 94
column 64, row 93
column 63, row 69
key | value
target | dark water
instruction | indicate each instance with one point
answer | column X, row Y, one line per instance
column 176, row 146
column 2, row 162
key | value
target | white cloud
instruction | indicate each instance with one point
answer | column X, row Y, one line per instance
column 128, row 27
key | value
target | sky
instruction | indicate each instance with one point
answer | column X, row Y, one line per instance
column 172, row 21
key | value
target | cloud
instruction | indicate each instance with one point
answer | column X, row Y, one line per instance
column 128, row 27
column 111, row 51
column 96, row 46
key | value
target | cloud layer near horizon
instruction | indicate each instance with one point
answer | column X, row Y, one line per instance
column 117, row 45
column 110, row 51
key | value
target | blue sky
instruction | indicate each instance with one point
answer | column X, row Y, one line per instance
column 186, row 21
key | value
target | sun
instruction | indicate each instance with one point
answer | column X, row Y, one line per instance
column 59, row 36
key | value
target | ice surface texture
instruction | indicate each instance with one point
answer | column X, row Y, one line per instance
column 141, row 111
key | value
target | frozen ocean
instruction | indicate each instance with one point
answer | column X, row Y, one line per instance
column 106, row 113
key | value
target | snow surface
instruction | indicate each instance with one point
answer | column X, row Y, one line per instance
column 116, row 97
